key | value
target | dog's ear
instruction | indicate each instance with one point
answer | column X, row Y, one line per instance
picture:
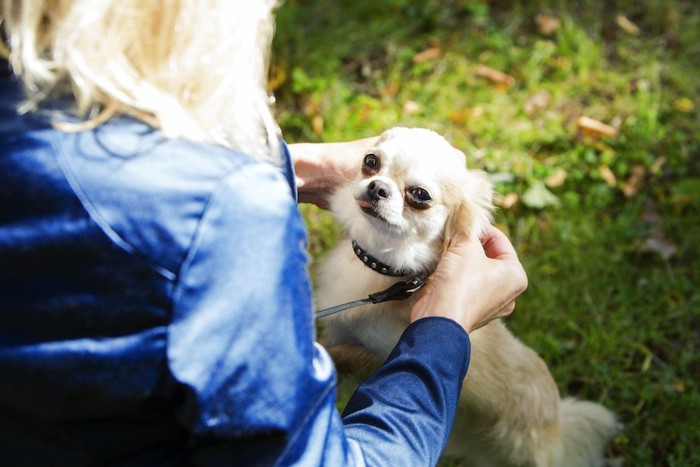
column 472, row 210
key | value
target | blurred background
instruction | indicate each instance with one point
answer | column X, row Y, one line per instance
column 586, row 115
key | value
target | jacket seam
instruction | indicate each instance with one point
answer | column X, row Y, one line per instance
column 100, row 220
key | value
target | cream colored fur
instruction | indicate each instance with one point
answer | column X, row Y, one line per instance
column 510, row 412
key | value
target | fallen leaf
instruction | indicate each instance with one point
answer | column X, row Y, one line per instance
column 640, row 84
column 459, row 116
column 626, row 25
column 556, row 179
column 684, row 105
column 539, row 197
column 508, row 201
column 547, row 25
column 563, row 63
column 538, row 101
column 661, row 246
column 311, row 107
column 655, row 241
column 598, row 145
column 317, row 124
column 593, row 127
column 493, row 75
column 279, row 73
column 658, row 165
column 607, row 175
column 411, row 107
column 427, row 55
column 635, row 182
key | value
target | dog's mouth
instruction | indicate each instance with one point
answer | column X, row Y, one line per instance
column 369, row 208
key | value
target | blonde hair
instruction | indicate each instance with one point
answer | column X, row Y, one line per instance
column 193, row 68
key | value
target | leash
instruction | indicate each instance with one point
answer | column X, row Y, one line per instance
column 399, row 291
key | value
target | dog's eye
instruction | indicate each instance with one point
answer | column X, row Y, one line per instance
column 421, row 195
column 418, row 198
column 371, row 164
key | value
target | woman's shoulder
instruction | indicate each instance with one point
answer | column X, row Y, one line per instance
column 149, row 192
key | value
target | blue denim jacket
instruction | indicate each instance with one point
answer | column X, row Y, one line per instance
column 156, row 309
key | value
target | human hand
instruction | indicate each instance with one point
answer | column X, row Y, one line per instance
column 475, row 282
column 321, row 167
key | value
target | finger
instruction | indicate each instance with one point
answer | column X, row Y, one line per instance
column 497, row 245
column 507, row 310
column 464, row 245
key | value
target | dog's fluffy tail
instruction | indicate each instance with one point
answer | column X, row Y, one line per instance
column 586, row 428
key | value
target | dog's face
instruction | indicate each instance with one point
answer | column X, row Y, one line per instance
column 413, row 188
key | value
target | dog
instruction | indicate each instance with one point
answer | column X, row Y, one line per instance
column 412, row 195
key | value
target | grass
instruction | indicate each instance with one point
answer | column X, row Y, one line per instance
column 607, row 226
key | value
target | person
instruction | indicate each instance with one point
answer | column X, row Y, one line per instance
column 155, row 296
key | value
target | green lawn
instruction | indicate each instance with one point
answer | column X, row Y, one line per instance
column 606, row 221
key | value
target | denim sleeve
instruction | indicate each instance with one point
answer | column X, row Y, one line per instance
column 403, row 413
column 252, row 387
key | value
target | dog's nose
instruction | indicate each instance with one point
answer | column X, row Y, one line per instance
column 377, row 190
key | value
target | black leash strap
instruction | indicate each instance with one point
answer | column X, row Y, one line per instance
column 399, row 291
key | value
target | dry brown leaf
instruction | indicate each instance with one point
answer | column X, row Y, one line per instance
column 660, row 246
column 538, row 101
column 317, row 124
column 563, row 63
column 547, row 25
column 599, row 145
column 658, row 165
column 278, row 75
column 626, row 25
column 427, row 55
column 508, row 201
column 411, row 107
column 656, row 241
column 493, row 75
column 607, row 175
column 459, row 116
column 593, row 127
column 635, row 182
column 312, row 107
column 557, row 179
column 684, row 105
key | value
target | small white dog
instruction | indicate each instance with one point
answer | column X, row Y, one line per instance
column 412, row 195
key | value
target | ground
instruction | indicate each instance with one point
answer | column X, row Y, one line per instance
column 586, row 116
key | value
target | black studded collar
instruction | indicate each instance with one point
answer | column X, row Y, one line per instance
column 376, row 265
